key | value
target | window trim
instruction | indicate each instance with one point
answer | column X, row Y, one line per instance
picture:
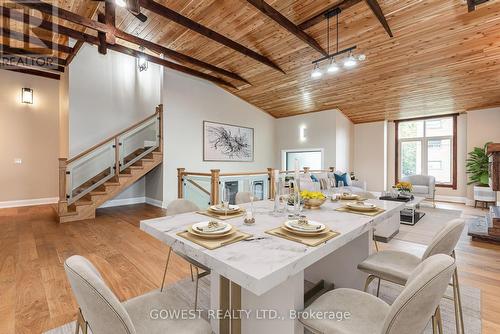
column 453, row 184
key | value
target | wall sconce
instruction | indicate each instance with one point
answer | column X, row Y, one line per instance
column 27, row 95
column 142, row 63
column 302, row 133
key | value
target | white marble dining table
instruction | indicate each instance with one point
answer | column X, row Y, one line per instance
column 268, row 272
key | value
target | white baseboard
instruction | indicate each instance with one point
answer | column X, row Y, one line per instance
column 453, row 199
column 29, row 202
column 124, row 201
column 133, row 200
column 154, row 202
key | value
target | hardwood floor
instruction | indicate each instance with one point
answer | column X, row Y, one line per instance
column 35, row 296
column 34, row 293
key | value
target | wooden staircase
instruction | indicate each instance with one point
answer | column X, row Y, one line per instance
column 95, row 192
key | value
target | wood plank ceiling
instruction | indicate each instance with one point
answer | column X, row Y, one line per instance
column 442, row 58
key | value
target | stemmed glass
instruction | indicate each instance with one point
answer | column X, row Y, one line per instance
column 225, row 199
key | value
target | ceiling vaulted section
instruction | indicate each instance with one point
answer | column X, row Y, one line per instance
column 423, row 57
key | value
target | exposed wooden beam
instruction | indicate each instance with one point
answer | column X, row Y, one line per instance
column 43, row 43
column 375, row 7
column 168, row 64
column 68, row 16
column 31, row 71
column 110, row 15
column 213, row 35
column 76, row 48
column 47, row 25
column 287, row 24
column 44, row 24
column 471, row 4
column 321, row 16
column 101, row 48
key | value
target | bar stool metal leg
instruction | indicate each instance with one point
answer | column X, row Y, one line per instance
column 457, row 301
column 165, row 271
column 80, row 323
column 191, row 268
column 369, row 279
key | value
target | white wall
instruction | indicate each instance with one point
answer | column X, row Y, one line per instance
column 30, row 133
column 482, row 126
column 107, row 94
column 322, row 130
column 344, row 143
column 370, row 154
column 189, row 101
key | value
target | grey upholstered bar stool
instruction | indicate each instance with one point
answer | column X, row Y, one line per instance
column 242, row 197
column 409, row 314
column 101, row 310
column 177, row 207
column 396, row 266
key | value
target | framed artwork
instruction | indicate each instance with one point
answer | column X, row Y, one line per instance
column 225, row 142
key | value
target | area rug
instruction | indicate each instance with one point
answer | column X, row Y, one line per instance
column 471, row 300
column 423, row 231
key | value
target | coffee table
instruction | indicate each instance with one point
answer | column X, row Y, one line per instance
column 410, row 215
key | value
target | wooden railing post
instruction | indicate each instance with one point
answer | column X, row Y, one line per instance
column 332, row 169
column 180, row 176
column 62, row 206
column 117, row 157
column 214, row 186
column 270, row 177
column 306, row 170
column 159, row 110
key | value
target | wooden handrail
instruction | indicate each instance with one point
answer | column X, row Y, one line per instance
column 195, row 174
column 243, row 174
column 87, row 151
column 199, row 187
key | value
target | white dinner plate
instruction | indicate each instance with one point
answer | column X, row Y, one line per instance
column 220, row 209
column 315, row 227
column 361, row 206
column 200, row 228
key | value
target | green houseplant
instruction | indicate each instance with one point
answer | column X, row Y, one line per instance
column 477, row 166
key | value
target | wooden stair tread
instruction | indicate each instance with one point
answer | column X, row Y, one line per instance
column 111, row 183
column 82, row 201
column 98, row 192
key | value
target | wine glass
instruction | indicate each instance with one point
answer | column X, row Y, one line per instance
column 225, row 199
column 340, row 185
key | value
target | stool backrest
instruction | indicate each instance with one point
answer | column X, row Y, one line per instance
column 446, row 240
column 242, row 197
column 420, row 297
column 101, row 309
column 178, row 206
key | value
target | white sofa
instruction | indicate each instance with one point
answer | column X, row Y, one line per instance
column 423, row 186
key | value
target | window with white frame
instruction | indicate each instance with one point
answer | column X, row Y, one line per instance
column 312, row 158
column 426, row 146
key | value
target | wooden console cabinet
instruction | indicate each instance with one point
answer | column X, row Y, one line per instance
column 494, row 166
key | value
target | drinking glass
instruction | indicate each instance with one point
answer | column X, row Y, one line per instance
column 226, row 195
column 340, row 185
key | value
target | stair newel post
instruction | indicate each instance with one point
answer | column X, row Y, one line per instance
column 214, row 186
column 306, row 170
column 180, row 181
column 332, row 169
column 63, row 201
column 159, row 110
column 117, row 156
column 270, row 177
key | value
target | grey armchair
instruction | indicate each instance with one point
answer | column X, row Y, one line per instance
column 423, row 186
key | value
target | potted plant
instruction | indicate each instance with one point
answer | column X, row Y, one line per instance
column 477, row 169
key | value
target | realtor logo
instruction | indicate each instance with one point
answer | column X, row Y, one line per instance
column 30, row 40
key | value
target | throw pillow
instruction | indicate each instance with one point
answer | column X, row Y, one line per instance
column 314, row 178
column 344, row 177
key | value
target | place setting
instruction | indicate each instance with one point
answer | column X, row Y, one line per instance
column 213, row 234
column 304, row 231
column 361, row 207
column 223, row 211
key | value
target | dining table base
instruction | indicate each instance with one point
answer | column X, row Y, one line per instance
column 243, row 312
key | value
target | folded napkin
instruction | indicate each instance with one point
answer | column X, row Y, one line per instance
column 305, row 226
column 211, row 227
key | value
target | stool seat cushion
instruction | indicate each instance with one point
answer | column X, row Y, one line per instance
column 389, row 265
column 367, row 313
column 142, row 308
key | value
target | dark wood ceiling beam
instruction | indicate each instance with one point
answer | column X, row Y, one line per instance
column 471, row 4
column 43, row 43
column 31, row 71
column 47, row 25
column 321, row 16
column 375, row 7
column 213, row 35
column 72, row 55
column 101, row 48
column 277, row 17
column 68, row 16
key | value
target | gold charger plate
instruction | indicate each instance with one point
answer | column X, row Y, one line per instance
column 211, row 236
column 215, row 243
